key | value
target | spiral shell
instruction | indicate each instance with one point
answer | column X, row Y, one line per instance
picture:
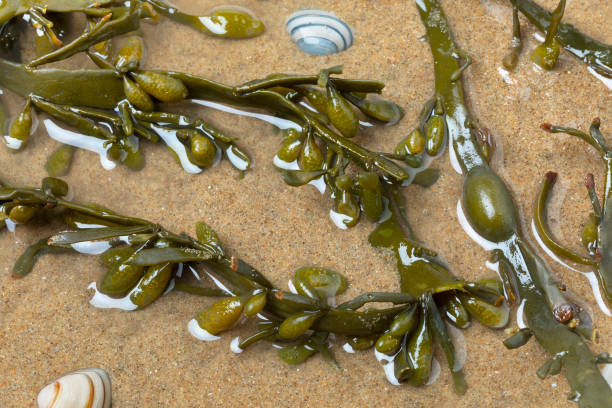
column 89, row 387
column 318, row 32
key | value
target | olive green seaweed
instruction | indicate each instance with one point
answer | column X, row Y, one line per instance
column 144, row 257
column 498, row 224
column 596, row 235
column 3, row 117
column 108, row 19
column 592, row 52
column 546, row 54
column 58, row 163
column 516, row 44
column 122, row 96
column 423, row 276
column 225, row 22
column 12, row 8
column 125, row 97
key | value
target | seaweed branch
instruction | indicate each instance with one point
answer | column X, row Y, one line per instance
column 108, row 19
column 592, row 52
column 143, row 260
column 489, row 208
column 596, row 233
column 118, row 105
column 114, row 108
column 324, row 109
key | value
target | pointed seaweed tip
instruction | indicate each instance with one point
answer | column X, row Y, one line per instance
column 589, row 181
column 546, row 127
column 551, row 177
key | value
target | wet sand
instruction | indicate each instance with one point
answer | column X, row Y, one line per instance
column 47, row 326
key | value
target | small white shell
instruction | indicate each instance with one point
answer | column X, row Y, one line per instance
column 318, row 32
column 90, row 387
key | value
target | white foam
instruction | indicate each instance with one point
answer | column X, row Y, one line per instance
column 13, row 143
column 388, row 366
column 292, row 287
column 10, row 225
column 506, row 76
column 465, row 224
column 91, row 247
column 594, row 282
column 82, row 225
column 348, row 348
column 194, row 272
column 281, row 164
column 520, row 316
column 606, row 372
column 278, row 122
column 319, row 184
column 93, row 144
column 236, row 160
column 338, row 219
column 179, row 270
column 235, row 346
column 102, row 301
column 218, row 283
column 421, row 5
column 170, row 286
column 169, row 137
column 215, row 27
column 199, row 333
column 590, row 275
column 607, row 81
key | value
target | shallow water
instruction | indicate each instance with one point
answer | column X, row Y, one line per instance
column 48, row 327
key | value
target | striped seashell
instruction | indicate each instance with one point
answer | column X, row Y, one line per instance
column 86, row 388
column 318, row 32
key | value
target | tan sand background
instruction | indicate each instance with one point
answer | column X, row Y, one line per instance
column 47, row 326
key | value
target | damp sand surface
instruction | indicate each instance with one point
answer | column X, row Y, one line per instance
column 47, row 326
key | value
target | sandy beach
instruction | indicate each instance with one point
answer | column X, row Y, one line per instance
column 48, row 327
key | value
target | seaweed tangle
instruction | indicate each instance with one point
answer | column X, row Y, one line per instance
column 144, row 261
column 554, row 321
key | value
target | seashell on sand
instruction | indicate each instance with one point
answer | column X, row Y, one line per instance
column 86, row 388
column 318, row 32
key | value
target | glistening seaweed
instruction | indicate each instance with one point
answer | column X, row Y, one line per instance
column 489, row 208
column 143, row 259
